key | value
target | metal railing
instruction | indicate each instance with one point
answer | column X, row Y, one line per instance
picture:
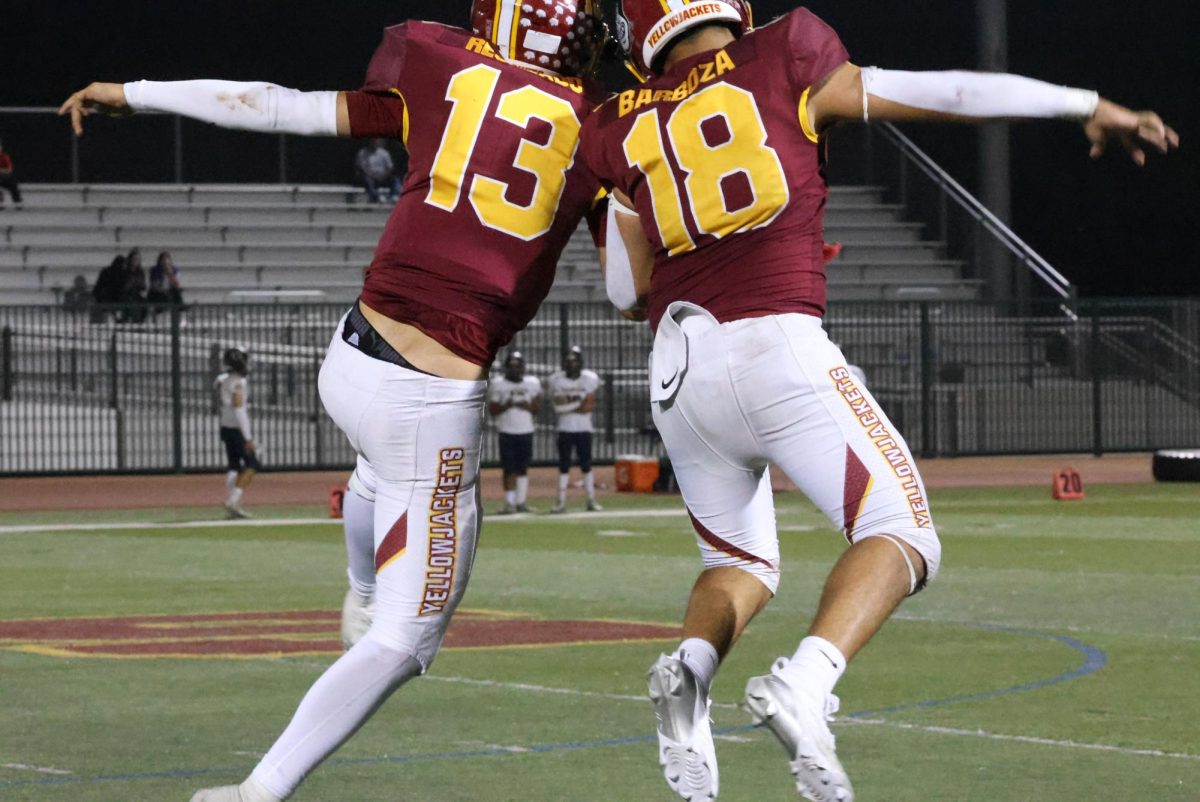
column 951, row 191
column 78, row 396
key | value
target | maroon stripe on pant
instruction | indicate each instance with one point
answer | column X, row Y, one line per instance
column 393, row 543
column 857, row 479
column 724, row 545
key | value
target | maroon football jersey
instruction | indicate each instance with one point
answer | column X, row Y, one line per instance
column 717, row 160
column 493, row 189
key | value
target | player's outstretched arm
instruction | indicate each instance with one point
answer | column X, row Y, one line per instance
column 628, row 259
column 850, row 93
column 248, row 106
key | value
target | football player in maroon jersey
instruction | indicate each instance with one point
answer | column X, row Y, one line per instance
column 715, row 159
column 490, row 118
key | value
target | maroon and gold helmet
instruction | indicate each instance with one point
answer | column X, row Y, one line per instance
column 561, row 36
column 645, row 28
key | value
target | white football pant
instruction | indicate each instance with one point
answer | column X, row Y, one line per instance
column 731, row 398
column 421, row 434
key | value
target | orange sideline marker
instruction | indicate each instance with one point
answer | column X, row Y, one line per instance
column 1068, row 486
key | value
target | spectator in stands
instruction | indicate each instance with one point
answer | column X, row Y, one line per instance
column 108, row 288
column 78, row 297
column 8, row 179
column 133, row 289
column 164, row 283
column 376, row 169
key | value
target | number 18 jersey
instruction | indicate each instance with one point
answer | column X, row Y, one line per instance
column 724, row 171
column 493, row 190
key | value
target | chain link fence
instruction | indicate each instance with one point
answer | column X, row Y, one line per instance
column 83, row 393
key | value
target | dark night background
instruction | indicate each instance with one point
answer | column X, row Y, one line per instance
column 1111, row 228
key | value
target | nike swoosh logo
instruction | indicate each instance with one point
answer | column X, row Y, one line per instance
column 832, row 662
column 667, row 383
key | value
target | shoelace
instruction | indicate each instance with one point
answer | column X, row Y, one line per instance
column 782, row 669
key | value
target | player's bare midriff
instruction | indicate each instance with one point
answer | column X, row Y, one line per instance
column 421, row 350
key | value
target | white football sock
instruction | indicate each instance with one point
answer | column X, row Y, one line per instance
column 254, row 791
column 235, row 495
column 510, row 498
column 522, row 489
column 700, row 656
column 231, row 480
column 564, row 479
column 337, row 704
column 820, row 662
column 358, row 521
column 589, row 485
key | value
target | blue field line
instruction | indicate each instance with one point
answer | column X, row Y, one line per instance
column 1094, row 660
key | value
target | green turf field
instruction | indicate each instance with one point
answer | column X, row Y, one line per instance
column 1057, row 658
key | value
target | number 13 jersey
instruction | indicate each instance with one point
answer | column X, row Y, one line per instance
column 493, row 189
column 723, row 168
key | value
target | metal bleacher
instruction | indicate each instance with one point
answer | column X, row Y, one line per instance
column 256, row 241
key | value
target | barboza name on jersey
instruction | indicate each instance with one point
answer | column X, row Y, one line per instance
column 706, row 72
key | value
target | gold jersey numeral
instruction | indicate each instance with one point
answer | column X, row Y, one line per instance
column 471, row 92
column 706, row 166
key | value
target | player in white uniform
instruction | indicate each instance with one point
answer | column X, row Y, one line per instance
column 573, row 390
column 513, row 400
column 234, row 390
column 718, row 158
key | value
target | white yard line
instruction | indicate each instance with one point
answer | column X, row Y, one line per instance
column 491, row 520
column 934, row 730
column 38, row 769
column 137, row 525
column 1026, row 739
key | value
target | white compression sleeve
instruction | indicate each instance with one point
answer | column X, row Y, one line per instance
column 978, row 94
column 233, row 104
column 618, row 272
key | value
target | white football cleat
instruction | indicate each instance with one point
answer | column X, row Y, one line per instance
column 593, row 506
column 558, row 508
column 685, row 744
column 249, row 791
column 798, row 719
column 357, row 615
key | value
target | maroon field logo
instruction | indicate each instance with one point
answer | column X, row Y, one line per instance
column 289, row 633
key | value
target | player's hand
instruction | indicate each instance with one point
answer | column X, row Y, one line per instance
column 249, row 446
column 1135, row 130
column 95, row 98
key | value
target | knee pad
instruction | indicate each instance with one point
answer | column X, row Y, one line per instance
column 419, row 637
column 396, row 666
column 924, row 540
column 365, row 488
column 767, row 573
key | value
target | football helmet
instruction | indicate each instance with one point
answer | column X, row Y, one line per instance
column 573, row 361
column 514, row 366
column 560, row 36
column 237, row 360
column 645, row 28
